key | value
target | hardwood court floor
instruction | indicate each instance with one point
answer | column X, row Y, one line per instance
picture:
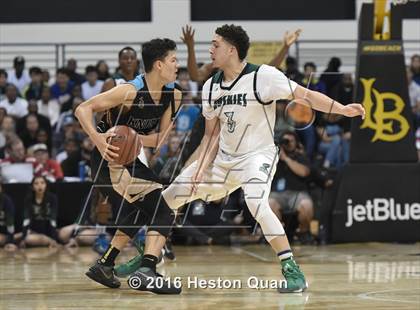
column 347, row 276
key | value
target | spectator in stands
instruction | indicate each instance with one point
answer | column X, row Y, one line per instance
column 3, row 83
column 186, row 84
column 15, row 106
column 40, row 215
column 292, row 70
column 30, row 131
column 415, row 68
column 8, row 125
column 289, row 187
column 71, row 146
column 103, row 70
column 127, row 68
column 166, row 166
column 18, row 76
column 92, row 86
column 16, row 152
column 43, row 121
column 414, row 94
column 332, row 144
column 48, row 106
column 44, row 166
column 7, row 222
column 310, row 78
column 46, row 77
column 331, row 76
column 189, row 111
column 75, row 98
column 75, row 77
column 43, row 137
column 34, row 89
column 73, row 156
column 61, row 89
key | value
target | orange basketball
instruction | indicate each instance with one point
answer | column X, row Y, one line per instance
column 129, row 143
column 300, row 112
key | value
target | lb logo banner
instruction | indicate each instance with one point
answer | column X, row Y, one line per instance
column 386, row 134
column 387, row 122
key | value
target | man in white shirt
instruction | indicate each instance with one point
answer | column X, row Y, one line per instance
column 18, row 75
column 48, row 106
column 14, row 105
column 92, row 86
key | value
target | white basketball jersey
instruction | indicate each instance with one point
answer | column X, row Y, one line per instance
column 246, row 108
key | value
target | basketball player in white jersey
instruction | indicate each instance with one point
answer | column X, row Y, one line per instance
column 238, row 148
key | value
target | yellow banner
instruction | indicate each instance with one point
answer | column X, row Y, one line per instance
column 263, row 52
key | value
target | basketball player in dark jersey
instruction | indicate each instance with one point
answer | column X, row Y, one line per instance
column 147, row 104
column 127, row 62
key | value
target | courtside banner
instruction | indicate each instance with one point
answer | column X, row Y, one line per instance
column 386, row 135
column 379, row 202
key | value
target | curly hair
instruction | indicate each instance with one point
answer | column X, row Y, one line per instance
column 236, row 36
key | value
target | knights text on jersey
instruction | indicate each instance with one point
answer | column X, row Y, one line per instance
column 246, row 108
column 144, row 115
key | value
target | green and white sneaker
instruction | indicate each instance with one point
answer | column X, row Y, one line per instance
column 295, row 279
column 124, row 270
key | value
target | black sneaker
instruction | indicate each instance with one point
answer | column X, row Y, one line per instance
column 169, row 252
column 145, row 279
column 103, row 275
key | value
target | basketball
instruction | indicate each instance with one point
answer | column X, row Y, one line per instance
column 129, row 143
column 299, row 112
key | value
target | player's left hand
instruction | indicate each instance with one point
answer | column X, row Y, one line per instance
column 354, row 109
column 290, row 38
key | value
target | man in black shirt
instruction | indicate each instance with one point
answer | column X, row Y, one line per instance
column 289, row 191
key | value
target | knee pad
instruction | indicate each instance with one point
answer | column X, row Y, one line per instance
column 256, row 198
column 161, row 216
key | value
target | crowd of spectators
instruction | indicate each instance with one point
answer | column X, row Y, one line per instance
column 41, row 141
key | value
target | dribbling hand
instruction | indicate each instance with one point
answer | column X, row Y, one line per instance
column 107, row 150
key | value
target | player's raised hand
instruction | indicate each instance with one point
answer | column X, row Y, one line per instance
column 188, row 35
column 354, row 109
column 107, row 150
column 291, row 37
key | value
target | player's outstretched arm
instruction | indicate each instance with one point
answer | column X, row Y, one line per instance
column 196, row 74
column 208, row 149
column 121, row 94
column 156, row 140
column 323, row 103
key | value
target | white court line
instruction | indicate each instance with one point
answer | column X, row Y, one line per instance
column 366, row 296
column 259, row 257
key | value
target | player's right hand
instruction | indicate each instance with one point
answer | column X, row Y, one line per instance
column 107, row 150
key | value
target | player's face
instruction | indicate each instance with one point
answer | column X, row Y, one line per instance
column 128, row 61
column 220, row 51
column 169, row 67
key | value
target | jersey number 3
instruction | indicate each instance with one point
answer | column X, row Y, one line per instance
column 230, row 122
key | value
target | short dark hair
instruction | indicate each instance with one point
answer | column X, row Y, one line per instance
column 63, row 71
column 127, row 48
column 156, row 49
column 309, row 64
column 236, row 36
column 3, row 72
column 35, row 70
column 90, row 69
